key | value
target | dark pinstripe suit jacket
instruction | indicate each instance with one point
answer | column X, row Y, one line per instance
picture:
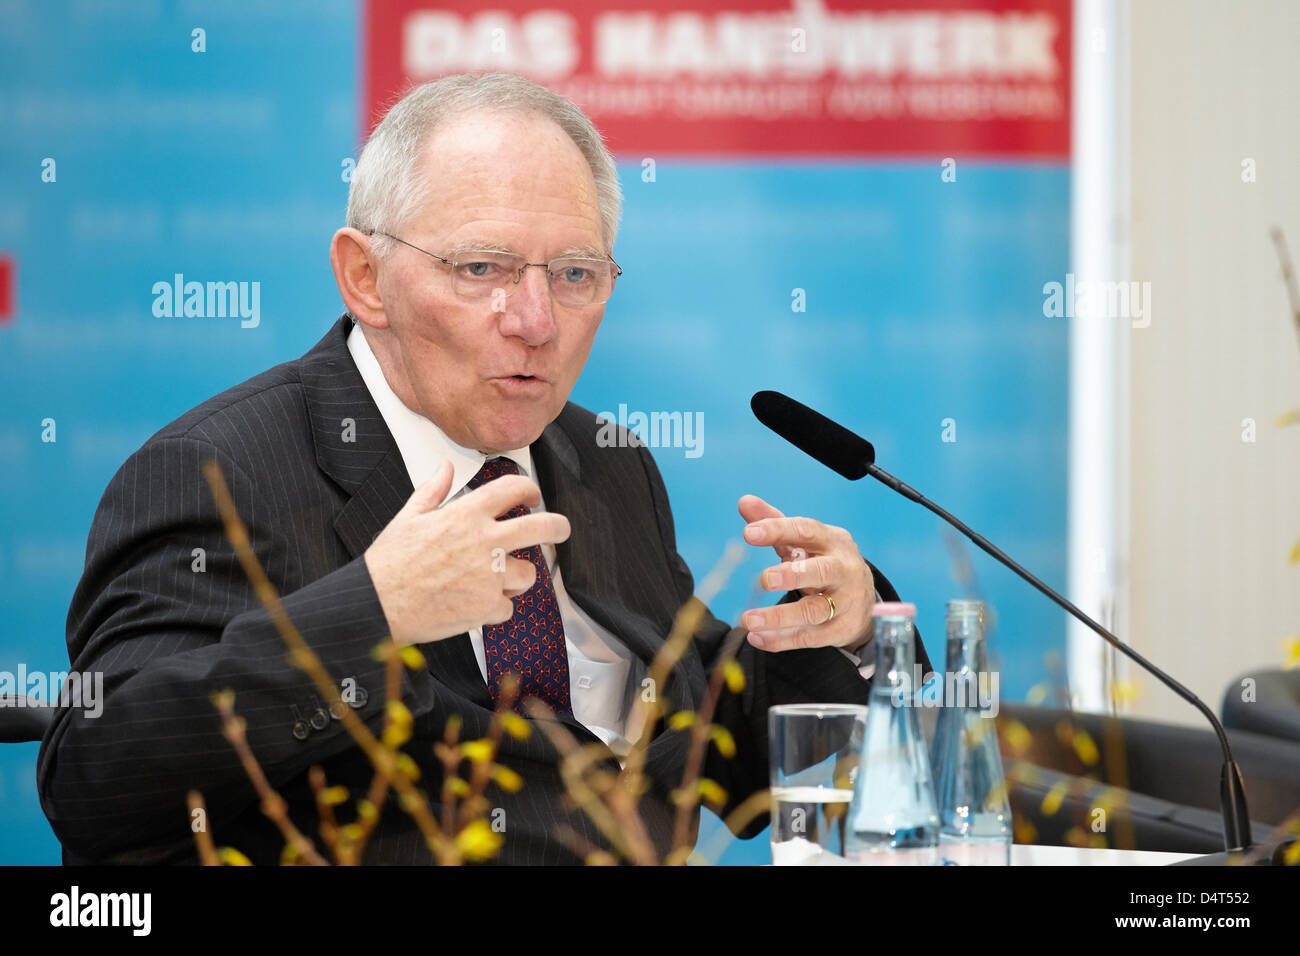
column 314, row 495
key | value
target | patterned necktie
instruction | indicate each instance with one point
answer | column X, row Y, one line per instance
column 531, row 643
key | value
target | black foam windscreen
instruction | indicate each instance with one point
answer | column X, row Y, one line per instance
column 812, row 432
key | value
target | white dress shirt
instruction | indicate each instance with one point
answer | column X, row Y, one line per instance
column 604, row 676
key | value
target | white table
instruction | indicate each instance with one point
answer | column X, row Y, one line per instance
column 799, row 852
column 1074, row 856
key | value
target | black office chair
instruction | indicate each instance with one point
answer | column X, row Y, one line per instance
column 23, row 719
column 1165, row 782
column 1274, row 708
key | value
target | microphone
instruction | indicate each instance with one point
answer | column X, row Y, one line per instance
column 854, row 457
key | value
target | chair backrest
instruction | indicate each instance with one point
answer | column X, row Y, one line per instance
column 1271, row 707
column 1170, row 762
column 1129, row 821
column 23, row 719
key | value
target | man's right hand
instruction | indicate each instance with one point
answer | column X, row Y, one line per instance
column 441, row 571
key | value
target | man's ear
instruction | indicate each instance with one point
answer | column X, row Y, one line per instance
column 356, row 274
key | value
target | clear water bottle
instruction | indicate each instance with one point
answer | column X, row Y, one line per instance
column 975, row 818
column 893, row 819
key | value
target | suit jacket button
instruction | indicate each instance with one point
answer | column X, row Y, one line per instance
column 300, row 728
column 319, row 719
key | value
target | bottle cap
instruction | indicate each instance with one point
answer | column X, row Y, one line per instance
column 893, row 609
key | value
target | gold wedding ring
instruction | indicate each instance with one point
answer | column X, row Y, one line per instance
column 831, row 601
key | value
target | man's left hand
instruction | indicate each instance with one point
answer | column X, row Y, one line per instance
column 819, row 560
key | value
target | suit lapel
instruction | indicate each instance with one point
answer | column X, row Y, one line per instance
column 590, row 559
column 377, row 499
column 357, row 451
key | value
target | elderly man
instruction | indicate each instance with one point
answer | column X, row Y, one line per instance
column 420, row 474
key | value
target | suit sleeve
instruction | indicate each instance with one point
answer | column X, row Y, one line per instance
column 165, row 612
column 810, row 675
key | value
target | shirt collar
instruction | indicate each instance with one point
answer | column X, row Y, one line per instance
column 422, row 444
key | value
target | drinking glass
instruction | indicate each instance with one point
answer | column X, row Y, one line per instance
column 814, row 759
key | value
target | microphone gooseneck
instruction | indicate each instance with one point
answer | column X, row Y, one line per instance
column 854, row 457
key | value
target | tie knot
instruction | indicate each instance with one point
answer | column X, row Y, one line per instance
column 493, row 468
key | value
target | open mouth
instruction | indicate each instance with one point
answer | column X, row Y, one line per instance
column 523, row 383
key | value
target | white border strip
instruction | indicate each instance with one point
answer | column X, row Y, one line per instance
column 1099, row 356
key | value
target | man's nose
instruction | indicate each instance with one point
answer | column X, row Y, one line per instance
column 528, row 311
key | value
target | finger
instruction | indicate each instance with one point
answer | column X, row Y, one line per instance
column 818, row 572
column 543, row 527
column 753, row 508
column 499, row 495
column 792, row 639
column 503, row 611
column 431, row 493
column 811, row 611
column 519, row 576
column 798, row 532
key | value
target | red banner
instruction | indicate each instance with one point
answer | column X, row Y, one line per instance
column 7, row 282
column 778, row 77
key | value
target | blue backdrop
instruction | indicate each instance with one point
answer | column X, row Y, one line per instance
column 922, row 310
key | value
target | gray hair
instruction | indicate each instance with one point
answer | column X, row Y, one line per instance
column 386, row 186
